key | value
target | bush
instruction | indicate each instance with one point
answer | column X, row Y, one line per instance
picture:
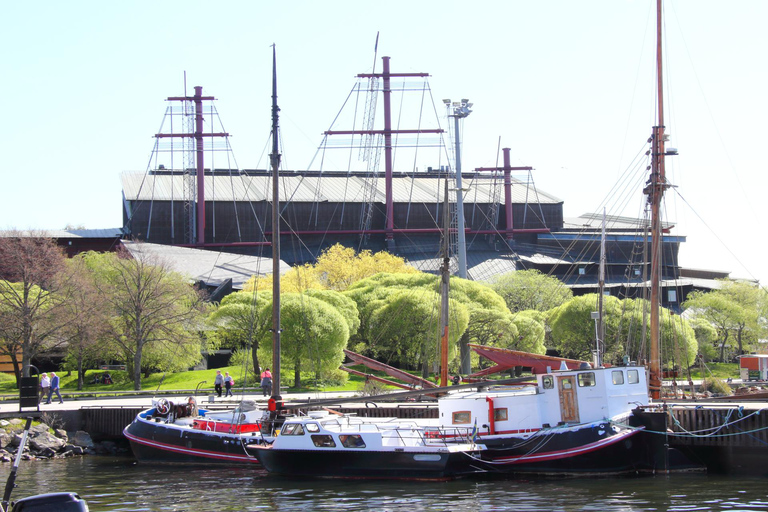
column 334, row 377
column 715, row 385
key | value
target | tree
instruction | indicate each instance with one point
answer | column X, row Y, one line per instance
column 336, row 269
column 242, row 313
column 573, row 331
column 381, row 301
column 31, row 277
column 87, row 323
column 314, row 333
column 734, row 311
column 530, row 289
column 156, row 311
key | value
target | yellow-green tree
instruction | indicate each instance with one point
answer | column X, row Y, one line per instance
column 336, row 269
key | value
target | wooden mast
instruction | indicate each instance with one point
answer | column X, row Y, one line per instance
column 445, row 276
column 275, row 160
column 655, row 191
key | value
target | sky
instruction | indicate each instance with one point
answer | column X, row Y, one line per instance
column 568, row 86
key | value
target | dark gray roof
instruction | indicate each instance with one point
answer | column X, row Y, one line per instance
column 210, row 267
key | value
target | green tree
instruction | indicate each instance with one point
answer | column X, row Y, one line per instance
column 734, row 311
column 314, row 334
column 381, row 298
column 530, row 289
column 573, row 331
column 241, row 315
column 157, row 314
column 87, row 323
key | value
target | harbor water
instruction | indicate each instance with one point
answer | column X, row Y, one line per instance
column 120, row 484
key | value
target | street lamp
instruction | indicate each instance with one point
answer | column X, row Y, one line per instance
column 459, row 110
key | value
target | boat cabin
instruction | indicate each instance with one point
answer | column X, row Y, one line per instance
column 565, row 397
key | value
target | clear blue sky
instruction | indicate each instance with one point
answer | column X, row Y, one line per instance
column 567, row 85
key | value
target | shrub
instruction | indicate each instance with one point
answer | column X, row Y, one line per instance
column 715, row 385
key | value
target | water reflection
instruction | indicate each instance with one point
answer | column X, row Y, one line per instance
column 119, row 484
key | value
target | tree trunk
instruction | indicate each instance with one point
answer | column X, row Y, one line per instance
column 80, row 374
column 255, row 359
column 137, row 369
column 722, row 347
column 296, row 378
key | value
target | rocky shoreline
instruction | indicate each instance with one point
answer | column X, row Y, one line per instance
column 42, row 444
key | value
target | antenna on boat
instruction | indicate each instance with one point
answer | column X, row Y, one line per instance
column 275, row 160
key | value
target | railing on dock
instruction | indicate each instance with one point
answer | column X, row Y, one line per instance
column 718, row 424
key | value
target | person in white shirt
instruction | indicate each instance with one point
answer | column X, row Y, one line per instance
column 45, row 384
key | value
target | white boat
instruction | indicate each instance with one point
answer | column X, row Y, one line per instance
column 326, row 445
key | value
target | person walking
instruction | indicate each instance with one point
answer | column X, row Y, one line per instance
column 54, row 388
column 45, row 384
column 228, row 383
column 217, row 383
column 266, row 382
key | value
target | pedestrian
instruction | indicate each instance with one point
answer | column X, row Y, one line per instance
column 228, row 383
column 266, row 382
column 54, row 388
column 218, row 382
column 45, row 384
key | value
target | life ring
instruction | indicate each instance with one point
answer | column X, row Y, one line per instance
column 163, row 406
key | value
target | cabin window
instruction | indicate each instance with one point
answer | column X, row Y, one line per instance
column 323, row 441
column 548, row 382
column 352, row 441
column 462, row 417
column 633, row 377
column 500, row 414
column 618, row 377
column 292, row 429
column 312, row 427
column 587, row 379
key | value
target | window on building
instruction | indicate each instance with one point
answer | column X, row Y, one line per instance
column 672, row 295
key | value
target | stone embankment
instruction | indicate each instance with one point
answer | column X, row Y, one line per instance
column 42, row 444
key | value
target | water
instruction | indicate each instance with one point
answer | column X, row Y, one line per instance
column 120, row 484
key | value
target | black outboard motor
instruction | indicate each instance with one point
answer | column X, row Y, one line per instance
column 58, row 501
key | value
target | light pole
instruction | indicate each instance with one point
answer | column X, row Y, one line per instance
column 459, row 110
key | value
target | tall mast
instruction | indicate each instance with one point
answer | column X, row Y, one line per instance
column 445, row 276
column 655, row 191
column 600, row 327
column 275, row 160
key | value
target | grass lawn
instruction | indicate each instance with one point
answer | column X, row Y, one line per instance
column 719, row 370
column 188, row 380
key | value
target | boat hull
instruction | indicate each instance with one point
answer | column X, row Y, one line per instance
column 159, row 442
column 598, row 448
column 408, row 465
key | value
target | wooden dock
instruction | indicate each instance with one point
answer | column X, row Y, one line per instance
column 727, row 436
